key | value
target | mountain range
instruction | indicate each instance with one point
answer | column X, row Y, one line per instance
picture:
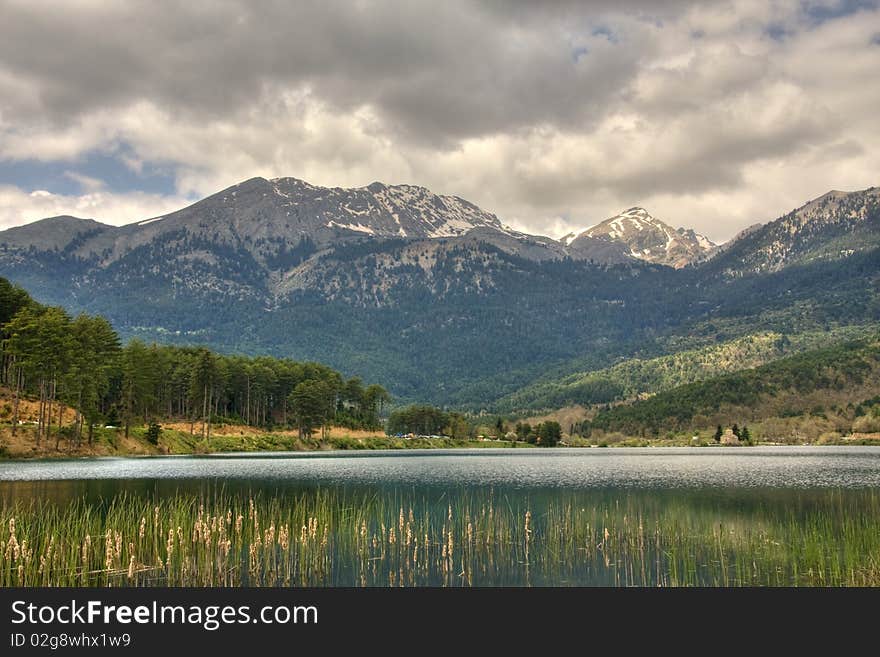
column 437, row 298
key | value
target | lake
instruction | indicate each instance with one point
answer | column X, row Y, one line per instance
column 611, row 517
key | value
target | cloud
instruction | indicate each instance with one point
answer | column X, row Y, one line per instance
column 87, row 183
column 552, row 115
column 18, row 207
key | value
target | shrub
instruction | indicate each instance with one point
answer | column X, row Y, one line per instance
column 153, row 433
column 867, row 424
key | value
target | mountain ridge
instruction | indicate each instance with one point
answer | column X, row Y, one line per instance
column 268, row 216
column 462, row 308
column 834, row 225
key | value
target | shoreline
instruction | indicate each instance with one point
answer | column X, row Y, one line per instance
column 174, row 441
column 471, row 446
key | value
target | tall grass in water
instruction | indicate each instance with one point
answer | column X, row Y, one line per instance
column 334, row 538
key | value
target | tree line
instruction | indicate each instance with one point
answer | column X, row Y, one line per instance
column 79, row 362
column 424, row 420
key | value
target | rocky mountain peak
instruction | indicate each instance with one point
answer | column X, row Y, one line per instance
column 647, row 238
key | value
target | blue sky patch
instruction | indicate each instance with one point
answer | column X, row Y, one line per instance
column 822, row 12
column 60, row 177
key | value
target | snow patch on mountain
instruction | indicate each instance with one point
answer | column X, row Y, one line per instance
column 646, row 238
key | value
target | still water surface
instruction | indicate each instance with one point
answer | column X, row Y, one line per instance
column 572, row 469
column 643, row 517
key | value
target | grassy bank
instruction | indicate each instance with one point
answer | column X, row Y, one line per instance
column 334, row 538
column 177, row 439
column 112, row 442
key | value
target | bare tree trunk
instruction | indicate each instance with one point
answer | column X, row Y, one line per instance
column 78, row 419
column 204, row 410
column 60, row 422
column 128, row 407
column 18, row 383
column 208, row 432
column 48, row 412
column 40, row 418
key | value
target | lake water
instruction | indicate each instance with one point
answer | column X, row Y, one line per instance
column 572, row 469
column 705, row 516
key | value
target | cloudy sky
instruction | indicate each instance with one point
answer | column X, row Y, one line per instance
column 713, row 115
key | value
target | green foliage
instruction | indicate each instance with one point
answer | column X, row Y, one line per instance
column 479, row 324
column 154, row 431
column 92, row 364
column 79, row 361
column 639, row 376
column 459, row 428
column 417, row 420
column 826, row 538
column 12, row 299
column 549, row 433
column 312, row 404
column 833, row 369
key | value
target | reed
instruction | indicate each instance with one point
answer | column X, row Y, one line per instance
column 334, row 538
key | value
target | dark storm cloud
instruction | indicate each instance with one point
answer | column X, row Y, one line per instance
column 436, row 71
column 539, row 110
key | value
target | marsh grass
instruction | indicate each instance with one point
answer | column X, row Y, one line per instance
column 334, row 538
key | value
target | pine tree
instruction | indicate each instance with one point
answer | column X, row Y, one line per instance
column 94, row 356
column 41, row 342
column 204, row 381
column 137, row 382
column 311, row 406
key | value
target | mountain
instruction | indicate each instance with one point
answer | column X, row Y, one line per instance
column 430, row 295
column 836, row 225
column 247, row 241
column 644, row 237
column 265, row 218
column 52, row 234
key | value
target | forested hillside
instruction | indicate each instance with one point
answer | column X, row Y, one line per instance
column 63, row 361
column 449, row 306
column 835, row 384
column 642, row 376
